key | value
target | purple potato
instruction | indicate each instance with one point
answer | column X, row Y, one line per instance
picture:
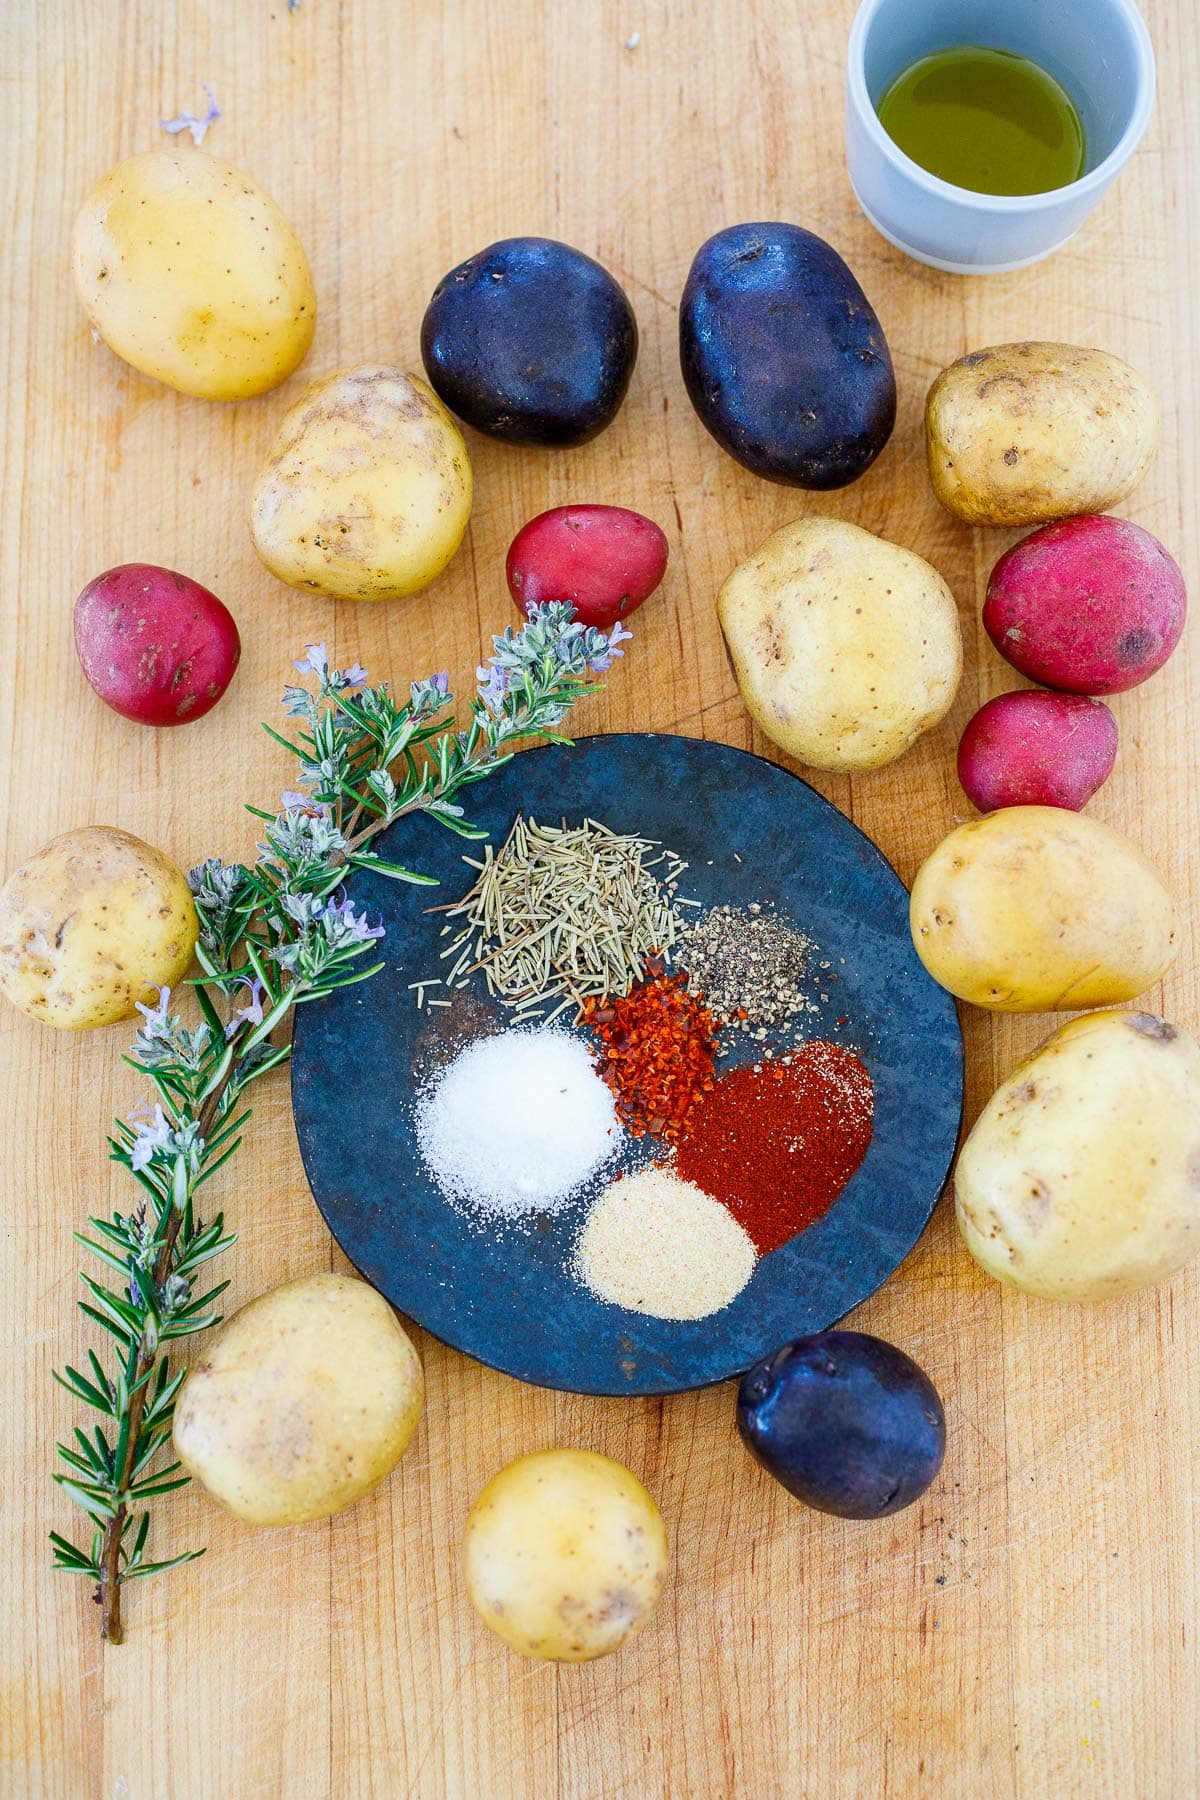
column 847, row 1423
column 783, row 357
column 530, row 341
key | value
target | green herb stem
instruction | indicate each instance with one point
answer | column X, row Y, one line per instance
column 272, row 937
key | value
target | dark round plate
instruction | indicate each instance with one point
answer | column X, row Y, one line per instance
column 505, row 1296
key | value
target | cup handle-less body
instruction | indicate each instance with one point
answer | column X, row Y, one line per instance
column 1099, row 50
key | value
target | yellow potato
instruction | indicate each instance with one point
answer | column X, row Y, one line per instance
column 1021, row 433
column 90, row 925
column 565, row 1555
column 367, row 492
column 1035, row 909
column 1081, row 1179
column 301, row 1403
column 845, row 647
column 192, row 274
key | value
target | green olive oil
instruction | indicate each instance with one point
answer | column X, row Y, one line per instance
column 987, row 120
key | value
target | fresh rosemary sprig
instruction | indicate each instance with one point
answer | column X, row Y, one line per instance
column 272, row 937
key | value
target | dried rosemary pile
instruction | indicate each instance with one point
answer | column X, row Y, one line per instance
column 559, row 915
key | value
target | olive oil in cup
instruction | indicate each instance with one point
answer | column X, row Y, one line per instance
column 1100, row 53
column 985, row 119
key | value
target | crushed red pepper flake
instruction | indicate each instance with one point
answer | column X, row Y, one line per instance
column 659, row 1046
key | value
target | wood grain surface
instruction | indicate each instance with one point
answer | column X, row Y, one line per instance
column 1030, row 1628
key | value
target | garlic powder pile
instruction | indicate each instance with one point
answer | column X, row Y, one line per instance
column 656, row 1244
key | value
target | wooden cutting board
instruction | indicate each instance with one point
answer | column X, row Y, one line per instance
column 1030, row 1628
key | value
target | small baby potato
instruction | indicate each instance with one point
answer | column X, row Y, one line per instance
column 192, row 274
column 1036, row 909
column 1020, row 433
column 845, row 647
column 155, row 645
column 603, row 560
column 367, row 491
column 1031, row 748
column 92, row 924
column 302, row 1402
column 565, row 1555
column 1079, row 1180
column 1091, row 605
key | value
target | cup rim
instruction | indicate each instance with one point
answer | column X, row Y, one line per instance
column 1087, row 185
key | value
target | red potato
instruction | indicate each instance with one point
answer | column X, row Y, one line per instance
column 1037, row 749
column 604, row 559
column 1091, row 605
column 155, row 645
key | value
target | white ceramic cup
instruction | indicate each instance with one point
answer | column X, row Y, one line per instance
column 1099, row 50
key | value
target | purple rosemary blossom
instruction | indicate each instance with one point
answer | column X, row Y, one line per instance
column 315, row 661
column 339, row 681
column 599, row 665
column 186, row 121
column 493, row 685
column 333, row 681
column 158, row 1021
column 153, row 1133
column 344, row 926
column 430, row 695
column 293, row 801
column 161, row 1040
column 252, row 1012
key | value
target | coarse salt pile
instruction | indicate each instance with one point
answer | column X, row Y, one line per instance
column 517, row 1122
column 656, row 1244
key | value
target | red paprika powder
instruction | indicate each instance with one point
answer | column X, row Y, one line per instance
column 776, row 1142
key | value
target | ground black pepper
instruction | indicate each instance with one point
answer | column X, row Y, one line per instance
column 749, row 965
